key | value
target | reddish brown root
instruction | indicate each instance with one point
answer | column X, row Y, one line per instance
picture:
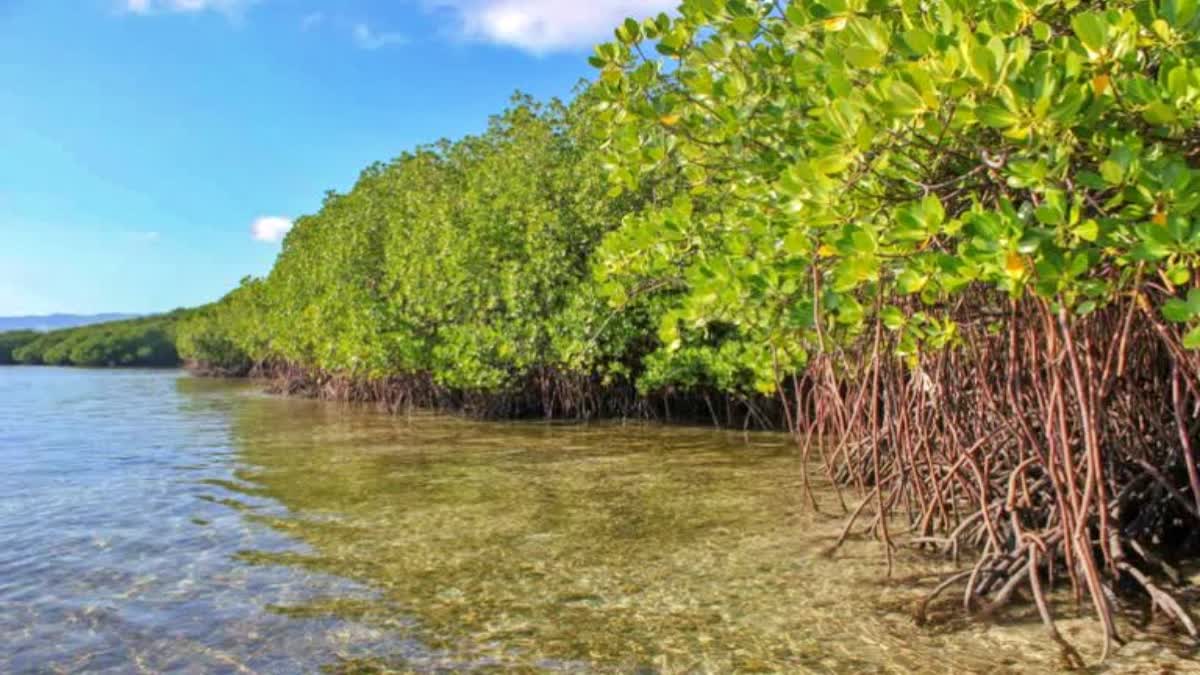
column 1048, row 448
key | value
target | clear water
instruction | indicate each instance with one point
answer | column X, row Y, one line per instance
column 151, row 522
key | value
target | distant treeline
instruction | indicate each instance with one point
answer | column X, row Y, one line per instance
column 14, row 340
column 146, row 342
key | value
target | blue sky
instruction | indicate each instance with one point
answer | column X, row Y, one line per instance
column 147, row 147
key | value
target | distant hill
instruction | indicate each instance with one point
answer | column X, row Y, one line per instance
column 57, row 321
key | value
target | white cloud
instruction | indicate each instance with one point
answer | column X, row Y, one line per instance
column 229, row 7
column 541, row 26
column 368, row 39
column 270, row 228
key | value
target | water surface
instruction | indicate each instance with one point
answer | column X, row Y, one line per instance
column 154, row 522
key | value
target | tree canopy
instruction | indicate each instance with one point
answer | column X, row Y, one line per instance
column 853, row 159
column 467, row 260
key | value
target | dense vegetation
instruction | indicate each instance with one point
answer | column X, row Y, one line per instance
column 956, row 240
column 11, row 341
column 146, row 342
column 460, row 272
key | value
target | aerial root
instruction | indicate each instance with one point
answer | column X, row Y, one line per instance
column 1043, row 450
column 1161, row 599
column 922, row 613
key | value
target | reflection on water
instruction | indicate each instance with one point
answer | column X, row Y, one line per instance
column 154, row 522
column 116, row 555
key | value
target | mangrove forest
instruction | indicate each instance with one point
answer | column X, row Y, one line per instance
column 142, row 342
column 949, row 245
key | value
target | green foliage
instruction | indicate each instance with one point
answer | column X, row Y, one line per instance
column 750, row 183
column 466, row 260
column 224, row 334
column 13, row 340
column 855, row 160
column 148, row 342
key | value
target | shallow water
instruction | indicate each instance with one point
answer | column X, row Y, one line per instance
column 153, row 522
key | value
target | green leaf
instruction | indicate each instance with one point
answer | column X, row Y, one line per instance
column 935, row 213
column 1159, row 113
column 1030, row 243
column 918, row 40
column 1112, row 172
column 862, row 243
column 983, row 64
column 996, row 116
column 1088, row 230
column 634, row 29
column 909, row 282
column 850, row 311
column 746, row 27
column 1006, row 17
column 1150, row 251
column 1191, row 340
column 1177, row 81
column 892, row 317
column 1179, row 12
column 908, row 227
column 797, row 242
column 1177, row 310
column 1048, row 214
column 904, row 99
column 1091, row 29
column 863, row 57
